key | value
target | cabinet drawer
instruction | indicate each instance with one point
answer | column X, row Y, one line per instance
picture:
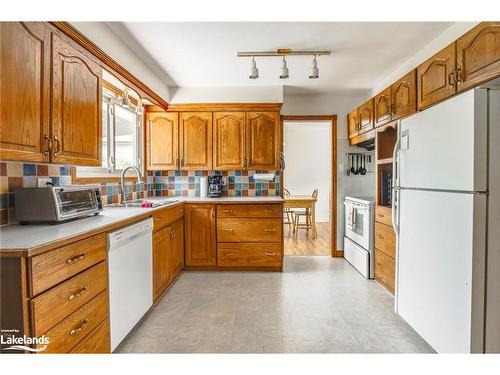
column 385, row 239
column 97, row 342
column 383, row 215
column 51, row 268
column 70, row 331
column 249, row 230
column 385, row 270
column 167, row 216
column 244, row 210
column 54, row 305
column 249, row 254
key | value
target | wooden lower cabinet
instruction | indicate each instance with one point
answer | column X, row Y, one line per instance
column 162, row 260
column 385, row 270
column 177, row 239
column 97, row 342
column 249, row 254
column 200, row 235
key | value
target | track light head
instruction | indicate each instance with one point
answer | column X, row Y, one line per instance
column 254, row 72
column 125, row 98
column 314, row 72
column 284, row 69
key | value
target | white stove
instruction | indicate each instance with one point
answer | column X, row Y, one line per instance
column 359, row 234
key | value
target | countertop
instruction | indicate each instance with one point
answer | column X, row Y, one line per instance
column 17, row 239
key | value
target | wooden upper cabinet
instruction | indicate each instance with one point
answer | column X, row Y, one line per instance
column 436, row 77
column 365, row 117
column 162, row 261
column 195, row 140
column 352, row 124
column 382, row 107
column 76, row 106
column 229, row 140
column 200, row 235
column 404, row 96
column 162, row 135
column 478, row 55
column 24, row 91
column 263, row 136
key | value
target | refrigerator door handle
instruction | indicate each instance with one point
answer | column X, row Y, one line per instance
column 394, row 201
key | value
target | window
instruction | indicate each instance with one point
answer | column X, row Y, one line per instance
column 121, row 139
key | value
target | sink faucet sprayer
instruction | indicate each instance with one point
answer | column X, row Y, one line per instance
column 122, row 181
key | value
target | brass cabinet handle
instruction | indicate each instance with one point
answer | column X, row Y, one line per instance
column 268, row 210
column 270, row 230
column 245, row 163
column 270, row 254
column 228, row 229
column 77, row 330
column 49, row 145
column 58, row 148
column 77, row 294
column 227, row 211
column 172, row 235
column 451, row 79
column 177, row 165
column 228, row 254
column 181, row 210
column 458, row 75
column 75, row 259
column 158, row 218
column 182, row 162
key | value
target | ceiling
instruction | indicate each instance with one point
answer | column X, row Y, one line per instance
column 201, row 54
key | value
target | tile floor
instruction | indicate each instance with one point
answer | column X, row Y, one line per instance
column 317, row 305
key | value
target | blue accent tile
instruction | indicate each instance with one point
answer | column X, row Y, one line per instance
column 251, row 179
column 244, row 186
column 191, row 179
column 178, row 173
column 64, row 170
column 197, row 173
column 171, row 179
column 258, row 186
column 55, row 181
column 157, row 173
column 218, row 173
column 237, row 186
column 29, row 169
column 258, row 193
column 231, row 179
column 237, row 193
column 238, row 173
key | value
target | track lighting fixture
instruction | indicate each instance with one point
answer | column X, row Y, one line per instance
column 254, row 72
column 284, row 69
column 314, row 72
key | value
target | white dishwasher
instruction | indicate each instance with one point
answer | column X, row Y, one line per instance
column 130, row 262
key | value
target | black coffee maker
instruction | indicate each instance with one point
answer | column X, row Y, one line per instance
column 214, row 186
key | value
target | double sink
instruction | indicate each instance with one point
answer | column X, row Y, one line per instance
column 138, row 203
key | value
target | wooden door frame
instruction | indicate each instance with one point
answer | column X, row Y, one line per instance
column 333, row 172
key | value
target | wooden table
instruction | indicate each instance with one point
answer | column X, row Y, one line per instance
column 304, row 201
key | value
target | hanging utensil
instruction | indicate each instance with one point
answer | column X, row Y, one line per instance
column 362, row 171
column 356, row 171
column 348, row 170
column 352, row 164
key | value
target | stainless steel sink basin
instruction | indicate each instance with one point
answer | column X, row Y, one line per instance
column 157, row 202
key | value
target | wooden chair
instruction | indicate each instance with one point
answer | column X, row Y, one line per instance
column 288, row 217
column 305, row 213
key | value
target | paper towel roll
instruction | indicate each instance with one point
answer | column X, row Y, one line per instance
column 203, row 187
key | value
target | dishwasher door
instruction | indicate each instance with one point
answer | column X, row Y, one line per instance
column 130, row 263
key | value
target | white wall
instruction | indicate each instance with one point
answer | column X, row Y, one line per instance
column 340, row 104
column 109, row 42
column 437, row 44
column 227, row 94
column 307, row 160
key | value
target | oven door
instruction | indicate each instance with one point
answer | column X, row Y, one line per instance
column 75, row 202
column 357, row 223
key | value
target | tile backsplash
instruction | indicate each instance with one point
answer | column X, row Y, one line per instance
column 15, row 175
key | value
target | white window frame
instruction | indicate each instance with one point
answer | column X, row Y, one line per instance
column 110, row 171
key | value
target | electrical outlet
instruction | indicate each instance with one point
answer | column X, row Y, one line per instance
column 224, row 180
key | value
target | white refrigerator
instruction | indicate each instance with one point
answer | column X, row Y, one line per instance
column 440, row 213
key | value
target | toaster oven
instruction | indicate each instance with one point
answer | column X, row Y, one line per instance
column 53, row 204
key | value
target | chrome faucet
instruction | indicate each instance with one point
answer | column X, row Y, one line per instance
column 122, row 181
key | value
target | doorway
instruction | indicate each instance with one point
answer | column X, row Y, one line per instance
column 310, row 160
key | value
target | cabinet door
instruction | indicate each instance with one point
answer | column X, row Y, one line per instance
column 365, row 117
column 162, row 260
column 24, row 91
column 196, row 140
column 162, row 140
column 76, row 106
column 200, row 235
column 229, row 140
column 382, row 107
column 404, row 96
column 478, row 55
column 177, row 236
column 435, row 78
column 263, row 140
column 352, row 124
